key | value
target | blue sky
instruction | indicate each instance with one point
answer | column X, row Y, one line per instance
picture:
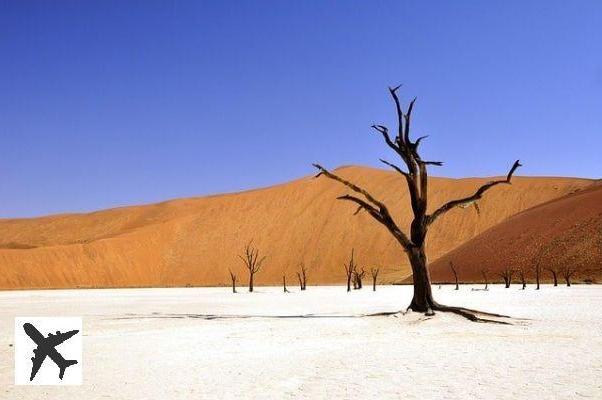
column 105, row 104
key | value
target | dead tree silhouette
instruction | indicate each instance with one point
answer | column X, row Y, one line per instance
column 538, row 258
column 506, row 275
column 522, row 276
column 416, row 178
column 374, row 272
column 252, row 262
column 357, row 278
column 567, row 274
column 451, row 265
column 349, row 270
column 302, row 275
column 284, row 283
column 233, row 278
column 484, row 273
column 554, row 272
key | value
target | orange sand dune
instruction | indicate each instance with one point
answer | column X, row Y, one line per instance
column 566, row 231
column 195, row 241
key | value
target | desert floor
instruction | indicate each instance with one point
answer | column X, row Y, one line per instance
column 166, row 343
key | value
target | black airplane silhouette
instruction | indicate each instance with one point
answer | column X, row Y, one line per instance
column 46, row 347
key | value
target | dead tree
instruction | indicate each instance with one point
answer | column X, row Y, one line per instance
column 554, row 272
column 252, row 262
column 233, row 278
column 537, row 274
column 357, row 278
column 349, row 270
column 484, row 273
column 451, row 265
column 523, row 278
column 302, row 275
column 538, row 259
column 284, row 283
column 416, row 177
column 374, row 272
column 506, row 275
column 567, row 273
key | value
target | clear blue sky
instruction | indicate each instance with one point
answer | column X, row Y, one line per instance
column 107, row 103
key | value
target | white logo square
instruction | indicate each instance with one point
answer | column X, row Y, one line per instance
column 48, row 351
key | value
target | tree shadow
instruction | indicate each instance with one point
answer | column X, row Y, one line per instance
column 210, row 317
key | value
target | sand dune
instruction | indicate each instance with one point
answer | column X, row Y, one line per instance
column 194, row 241
column 566, row 231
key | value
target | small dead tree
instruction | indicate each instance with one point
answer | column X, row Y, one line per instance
column 506, row 275
column 252, row 262
column 413, row 243
column 485, row 279
column 357, row 278
column 349, row 270
column 302, row 275
column 233, row 278
column 284, row 283
column 451, row 265
column 374, row 272
column 554, row 272
column 543, row 251
column 567, row 274
column 523, row 278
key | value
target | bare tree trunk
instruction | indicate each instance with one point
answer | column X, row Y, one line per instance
column 357, row 279
column 284, row 283
column 507, row 277
column 554, row 275
column 252, row 262
column 451, row 265
column 567, row 273
column 350, row 271
column 302, row 275
column 233, row 278
column 537, row 274
column 374, row 273
column 484, row 273
column 422, row 301
column 523, row 279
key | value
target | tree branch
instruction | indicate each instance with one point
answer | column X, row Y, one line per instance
column 362, row 205
column 476, row 196
column 437, row 163
column 355, row 188
column 408, row 118
column 400, row 131
column 384, row 131
column 395, row 167
column 379, row 211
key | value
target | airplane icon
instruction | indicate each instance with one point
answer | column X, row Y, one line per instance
column 46, row 347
